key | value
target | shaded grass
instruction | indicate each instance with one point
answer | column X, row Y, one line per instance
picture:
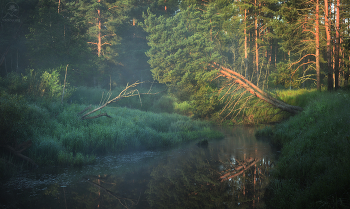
column 313, row 170
column 60, row 137
column 260, row 112
column 158, row 103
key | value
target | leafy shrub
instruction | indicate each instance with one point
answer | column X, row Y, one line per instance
column 164, row 104
column 315, row 159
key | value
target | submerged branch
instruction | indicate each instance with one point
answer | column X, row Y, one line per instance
column 119, row 198
column 25, row 145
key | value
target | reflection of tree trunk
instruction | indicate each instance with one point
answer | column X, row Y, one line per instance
column 250, row 162
column 119, row 198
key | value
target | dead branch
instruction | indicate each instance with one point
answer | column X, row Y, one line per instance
column 22, row 147
column 84, row 110
column 127, row 92
column 97, row 116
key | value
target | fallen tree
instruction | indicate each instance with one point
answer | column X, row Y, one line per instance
column 254, row 90
column 129, row 91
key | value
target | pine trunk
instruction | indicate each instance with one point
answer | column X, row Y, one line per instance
column 245, row 44
column 329, row 55
column 336, row 55
column 318, row 48
column 256, row 48
column 99, row 31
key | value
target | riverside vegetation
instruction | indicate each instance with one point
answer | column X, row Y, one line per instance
column 313, row 169
column 311, row 172
column 60, row 137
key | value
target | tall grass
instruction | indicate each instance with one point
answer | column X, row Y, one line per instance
column 313, row 170
column 60, row 137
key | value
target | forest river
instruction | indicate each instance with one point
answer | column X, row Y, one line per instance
column 228, row 173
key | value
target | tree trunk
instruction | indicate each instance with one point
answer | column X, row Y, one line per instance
column 256, row 48
column 329, row 55
column 318, row 75
column 253, row 89
column 337, row 41
column 245, row 44
column 99, row 44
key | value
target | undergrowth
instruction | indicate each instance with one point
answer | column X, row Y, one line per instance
column 60, row 137
column 313, row 169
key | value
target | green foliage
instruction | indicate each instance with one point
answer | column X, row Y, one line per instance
column 180, row 54
column 311, row 172
column 300, row 97
column 164, row 104
column 59, row 136
column 17, row 119
column 35, row 84
column 285, row 76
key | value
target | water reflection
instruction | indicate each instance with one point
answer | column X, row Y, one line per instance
column 228, row 173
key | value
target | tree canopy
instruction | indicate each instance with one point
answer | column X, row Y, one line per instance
column 272, row 43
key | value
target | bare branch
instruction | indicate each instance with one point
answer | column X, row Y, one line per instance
column 127, row 92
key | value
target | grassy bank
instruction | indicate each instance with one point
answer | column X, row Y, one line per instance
column 60, row 137
column 313, row 170
column 252, row 110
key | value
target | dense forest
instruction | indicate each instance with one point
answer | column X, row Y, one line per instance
column 162, row 66
column 272, row 43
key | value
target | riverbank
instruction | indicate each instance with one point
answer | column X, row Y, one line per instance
column 58, row 136
column 314, row 166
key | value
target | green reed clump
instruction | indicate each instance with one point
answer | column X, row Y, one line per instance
column 297, row 97
column 59, row 136
column 313, row 169
column 256, row 111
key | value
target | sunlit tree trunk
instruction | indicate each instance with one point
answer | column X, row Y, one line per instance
column 256, row 48
column 99, row 31
column 245, row 44
column 318, row 47
column 337, row 41
column 329, row 55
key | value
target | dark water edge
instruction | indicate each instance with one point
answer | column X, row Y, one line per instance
column 228, row 173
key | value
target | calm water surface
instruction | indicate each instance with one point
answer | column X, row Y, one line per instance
column 228, row 173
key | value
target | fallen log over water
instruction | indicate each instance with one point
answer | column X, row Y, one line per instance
column 256, row 91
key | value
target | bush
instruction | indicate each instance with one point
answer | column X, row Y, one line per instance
column 312, row 171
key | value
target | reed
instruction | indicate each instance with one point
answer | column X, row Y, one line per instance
column 312, row 171
column 59, row 136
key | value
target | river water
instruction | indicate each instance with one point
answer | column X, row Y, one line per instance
column 228, row 173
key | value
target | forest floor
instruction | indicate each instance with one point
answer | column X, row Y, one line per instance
column 314, row 166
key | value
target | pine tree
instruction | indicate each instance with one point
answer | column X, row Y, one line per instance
column 180, row 55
